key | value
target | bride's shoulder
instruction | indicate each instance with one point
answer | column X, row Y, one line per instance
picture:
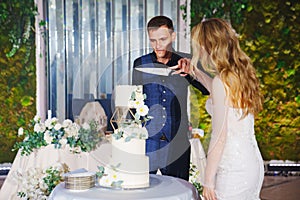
column 217, row 82
column 218, row 89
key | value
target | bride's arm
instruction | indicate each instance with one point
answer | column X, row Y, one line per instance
column 203, row 78
column 219, row 132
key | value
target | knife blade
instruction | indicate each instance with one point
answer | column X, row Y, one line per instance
column 158, row 71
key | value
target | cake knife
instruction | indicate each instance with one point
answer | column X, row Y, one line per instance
column 158, row 71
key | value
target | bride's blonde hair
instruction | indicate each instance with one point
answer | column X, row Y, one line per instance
column 216, row 43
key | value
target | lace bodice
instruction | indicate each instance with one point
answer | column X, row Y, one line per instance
column 237, row 126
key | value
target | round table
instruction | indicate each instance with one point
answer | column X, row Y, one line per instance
column 161, row 188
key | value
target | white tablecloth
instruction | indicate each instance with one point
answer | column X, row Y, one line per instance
column 48, row 156
column 161, row 188
column 198, row 158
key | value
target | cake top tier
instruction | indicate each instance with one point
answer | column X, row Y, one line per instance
column 123, row 94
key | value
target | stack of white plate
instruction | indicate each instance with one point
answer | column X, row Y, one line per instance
column 80, row 181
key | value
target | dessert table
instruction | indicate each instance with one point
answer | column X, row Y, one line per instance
column 161, row 188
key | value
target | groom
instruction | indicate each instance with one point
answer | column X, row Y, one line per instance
column 168, row 146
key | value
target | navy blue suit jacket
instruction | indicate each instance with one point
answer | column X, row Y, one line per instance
column 166, row 97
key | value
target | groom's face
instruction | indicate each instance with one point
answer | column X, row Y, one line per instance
column 161, row 40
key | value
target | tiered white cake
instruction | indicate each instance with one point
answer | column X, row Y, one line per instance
column 128, row 166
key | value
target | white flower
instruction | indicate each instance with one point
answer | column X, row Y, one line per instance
column 139, row 96
column 54, row 120
column 48, row 123
column 72, row 131
column 142, row 110
column 42, row 127
column 138, row 103
column 37, row 118
column 63, row 142
column 66, row 123
column 32, row 182
column 47, row 137
column 57, row 126
column 20, row 131
column 38, row 128
column 86, row 126
column 131, row 104
column 42, row 185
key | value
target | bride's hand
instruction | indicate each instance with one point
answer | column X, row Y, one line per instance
column 209, row 194
column 183, row 67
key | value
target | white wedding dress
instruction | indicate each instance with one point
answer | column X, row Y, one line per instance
column 235, row 167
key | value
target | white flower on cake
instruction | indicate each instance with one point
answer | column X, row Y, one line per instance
column 109, row 178
column 142, row 110
column 136, row 103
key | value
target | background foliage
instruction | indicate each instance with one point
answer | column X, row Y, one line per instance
column 17, row 71
column 270, row 35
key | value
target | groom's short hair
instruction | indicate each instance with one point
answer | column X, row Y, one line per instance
column 159, row 21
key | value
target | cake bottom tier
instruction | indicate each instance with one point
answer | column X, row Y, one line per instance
column 120, row 174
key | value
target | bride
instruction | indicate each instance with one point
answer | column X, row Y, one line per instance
column 234, row 164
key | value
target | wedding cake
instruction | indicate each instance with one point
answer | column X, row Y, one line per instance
column 128, row 165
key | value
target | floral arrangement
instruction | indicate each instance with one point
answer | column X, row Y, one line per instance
column 135, row 128
column 36, row 183
column 109, row 179
column 193, row 175
column 79, row 138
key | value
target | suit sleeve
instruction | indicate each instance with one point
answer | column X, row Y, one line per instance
column 136, row 75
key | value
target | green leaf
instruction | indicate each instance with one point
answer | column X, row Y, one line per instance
column 26, row 101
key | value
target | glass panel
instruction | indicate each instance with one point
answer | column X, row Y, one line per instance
column 119, row 41
column 137, row 30
column 57, row 60
column 71, row 22
column 168, row 10
column 92, row 45
column 104, row 69
column 152, row 8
